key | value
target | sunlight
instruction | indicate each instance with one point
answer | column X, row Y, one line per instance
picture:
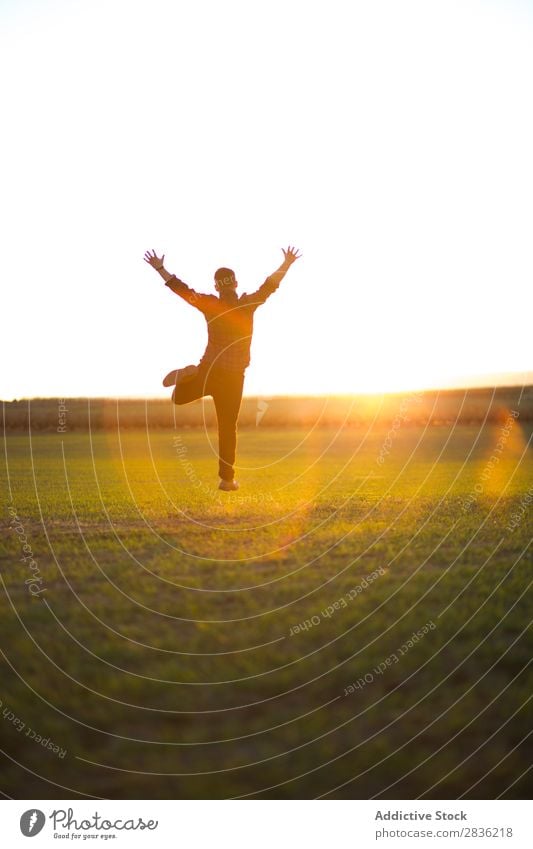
column 404, row 178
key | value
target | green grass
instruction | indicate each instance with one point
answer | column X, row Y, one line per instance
column 161, row 651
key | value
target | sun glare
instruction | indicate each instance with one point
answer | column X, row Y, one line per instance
column 389, row 143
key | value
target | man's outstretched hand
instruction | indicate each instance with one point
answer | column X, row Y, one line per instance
column 291, row 255
column 155, row 261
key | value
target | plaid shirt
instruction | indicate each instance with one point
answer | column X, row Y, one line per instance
column 230, row 321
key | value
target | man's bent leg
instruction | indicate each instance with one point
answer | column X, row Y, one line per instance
column 226, row 389
column 190, row 390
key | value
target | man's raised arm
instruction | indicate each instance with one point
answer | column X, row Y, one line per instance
column 196, row 299
column 272, row 282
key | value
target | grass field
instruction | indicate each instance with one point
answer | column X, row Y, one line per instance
column 154, row 634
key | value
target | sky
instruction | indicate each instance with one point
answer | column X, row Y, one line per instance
column 390, row 142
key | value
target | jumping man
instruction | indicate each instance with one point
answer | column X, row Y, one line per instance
column 220, row 372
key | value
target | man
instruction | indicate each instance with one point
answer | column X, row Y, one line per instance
column 220, row 372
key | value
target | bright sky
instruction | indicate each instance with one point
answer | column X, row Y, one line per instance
column 392, row 142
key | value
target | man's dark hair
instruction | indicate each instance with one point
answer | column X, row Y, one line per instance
column 225, row 276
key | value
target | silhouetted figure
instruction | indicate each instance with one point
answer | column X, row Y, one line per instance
column 220, row 372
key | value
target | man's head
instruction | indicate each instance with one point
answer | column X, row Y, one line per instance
column 225, row 281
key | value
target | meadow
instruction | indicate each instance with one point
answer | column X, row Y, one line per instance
column 352, row 623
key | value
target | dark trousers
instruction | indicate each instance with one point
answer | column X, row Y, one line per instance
column 226, row 388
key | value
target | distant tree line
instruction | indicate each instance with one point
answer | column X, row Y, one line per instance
column 64, row 415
